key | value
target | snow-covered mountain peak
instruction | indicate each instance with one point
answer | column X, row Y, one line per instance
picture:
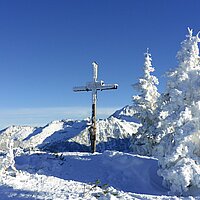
column 126, row 113
column 73, row 135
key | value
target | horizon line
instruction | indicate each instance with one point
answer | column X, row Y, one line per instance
column 40, row 116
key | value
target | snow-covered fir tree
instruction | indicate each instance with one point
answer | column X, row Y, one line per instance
column 179, row 150
column 145, row 105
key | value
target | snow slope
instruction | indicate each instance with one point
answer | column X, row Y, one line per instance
column 74, row 175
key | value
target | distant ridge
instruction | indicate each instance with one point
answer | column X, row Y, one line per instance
column 113, row 133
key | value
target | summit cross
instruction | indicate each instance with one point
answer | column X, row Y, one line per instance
column 94, row 86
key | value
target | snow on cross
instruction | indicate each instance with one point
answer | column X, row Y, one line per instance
column 94, row 86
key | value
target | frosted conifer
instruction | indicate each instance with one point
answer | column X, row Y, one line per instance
column 179, row 152
column 145, row 105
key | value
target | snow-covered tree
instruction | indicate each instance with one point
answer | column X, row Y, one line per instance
column 145, row 105
column 179, row 150
column 8, row 163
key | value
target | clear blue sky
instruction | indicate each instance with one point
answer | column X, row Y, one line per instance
column 47, row 47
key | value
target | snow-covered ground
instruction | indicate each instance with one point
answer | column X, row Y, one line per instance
column 50, row 163
column 75, row 175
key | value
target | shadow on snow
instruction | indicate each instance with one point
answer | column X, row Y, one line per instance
column 122, row 171
column 112, row 144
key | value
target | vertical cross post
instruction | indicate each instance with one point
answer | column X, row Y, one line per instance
column 94, row 108
column 94, row 86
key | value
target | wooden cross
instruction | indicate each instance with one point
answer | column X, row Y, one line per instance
column 94, row 86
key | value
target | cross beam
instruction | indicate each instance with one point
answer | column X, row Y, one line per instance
column 94, row 86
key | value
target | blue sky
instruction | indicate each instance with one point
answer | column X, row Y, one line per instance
column 47, row 47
